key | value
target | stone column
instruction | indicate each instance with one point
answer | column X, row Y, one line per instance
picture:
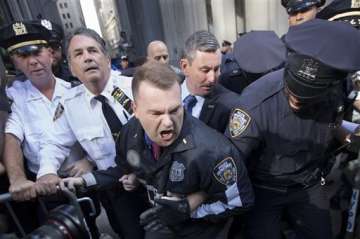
column 224, row 20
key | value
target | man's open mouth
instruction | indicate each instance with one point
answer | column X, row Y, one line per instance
column 91, row 68
column 167, row 134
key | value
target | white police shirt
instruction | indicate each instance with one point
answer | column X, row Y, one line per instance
column 196, row 110
column 82, row 120
column 31, row 116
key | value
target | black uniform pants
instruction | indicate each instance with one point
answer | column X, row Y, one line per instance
column 306, row 209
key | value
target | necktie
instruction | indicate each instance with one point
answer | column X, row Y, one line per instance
column 110, row 116
column 156, row 150
column 189, row 103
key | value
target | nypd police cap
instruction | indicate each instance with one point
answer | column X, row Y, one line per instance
column 335, row 44
column 56, row 31
column 342, row 10
column 23, row 34
column 259, row 51
column 308, row 78
column 294, row 6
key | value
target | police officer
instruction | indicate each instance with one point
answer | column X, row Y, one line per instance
column 300, row 11
column 60, row 66
column 201, row 93
column 284, row 125
column 346, row 11
column 256, row 54
column 34, row 102
column 177, row 156
column 342, row 10
column 93, row 114
column 226, row 47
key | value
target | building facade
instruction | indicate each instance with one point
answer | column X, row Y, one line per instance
column 71, row 16
column 172, row 21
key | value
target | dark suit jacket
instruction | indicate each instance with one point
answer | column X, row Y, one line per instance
column 217, row 108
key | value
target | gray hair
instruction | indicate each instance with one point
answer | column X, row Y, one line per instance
column 202, row 41
column 89, row 33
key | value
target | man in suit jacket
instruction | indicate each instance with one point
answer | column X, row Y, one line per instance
column 202, row 96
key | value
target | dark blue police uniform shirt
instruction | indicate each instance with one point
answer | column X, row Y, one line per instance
column 281, row 148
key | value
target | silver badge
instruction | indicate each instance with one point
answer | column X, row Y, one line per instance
column 309, row 69
column 177, row 172
column 47, row 24
column 58, row 112
column 226, row 172
column 239, row 121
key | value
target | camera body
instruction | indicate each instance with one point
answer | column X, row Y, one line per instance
column 63, row 222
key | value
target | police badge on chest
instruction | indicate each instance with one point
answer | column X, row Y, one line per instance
column 177, row 172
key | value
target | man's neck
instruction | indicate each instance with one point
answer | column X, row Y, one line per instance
column 97, row 87
column 45, row 86
column 188, row 87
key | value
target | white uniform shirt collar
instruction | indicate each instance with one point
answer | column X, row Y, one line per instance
column 35, row 94
column 109, row 87
column 61, row 87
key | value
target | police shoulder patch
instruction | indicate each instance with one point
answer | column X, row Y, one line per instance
column 58, row 112
column 177, row 172
column 226, row 172
column 239, row 121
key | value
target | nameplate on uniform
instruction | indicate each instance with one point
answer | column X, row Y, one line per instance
column 123, row 99
column 58, row 112
column 239, row 121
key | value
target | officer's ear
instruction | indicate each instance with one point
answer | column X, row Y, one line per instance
column 184, row 65
column 134, row 108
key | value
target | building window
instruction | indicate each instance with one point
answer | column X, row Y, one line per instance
column 65, row 5
column 61, row 5
column 64, row 16
column 66, row 26
column 68, row 15
column 71, row 25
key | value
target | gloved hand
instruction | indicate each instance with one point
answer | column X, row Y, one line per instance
column 169, row 211
column 150, row 221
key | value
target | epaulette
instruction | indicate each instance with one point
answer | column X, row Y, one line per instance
column 120, row 96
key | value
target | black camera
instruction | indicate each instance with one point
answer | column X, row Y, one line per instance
column 65, row 221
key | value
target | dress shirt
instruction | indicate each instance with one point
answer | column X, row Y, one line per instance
column 83, row 121
column 196, row 110
column 32, row 115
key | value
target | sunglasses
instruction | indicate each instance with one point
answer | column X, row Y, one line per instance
column 31, row 50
